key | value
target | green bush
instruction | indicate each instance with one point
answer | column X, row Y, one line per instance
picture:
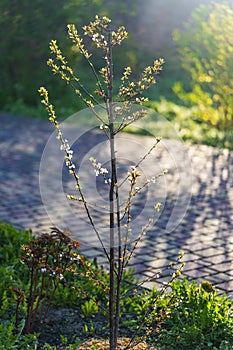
column 10, row 339
column 12, row 275
column 11, row 241
column 206, row 48
column 198, row 318
column 12, row 272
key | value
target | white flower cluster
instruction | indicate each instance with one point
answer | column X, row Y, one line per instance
column 99, row 40
column 100, row 171
column 52, row 273
column 153, row 179
column 69, row 155
column 103, row 126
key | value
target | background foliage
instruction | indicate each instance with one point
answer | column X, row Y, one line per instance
column 194, row 91
column 206, row 48
column 27, row 27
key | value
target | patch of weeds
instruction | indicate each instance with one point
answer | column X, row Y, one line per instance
column 196, row 318
column 89, row 308
column 13, row 338
column 10, row 243
column 13, row 274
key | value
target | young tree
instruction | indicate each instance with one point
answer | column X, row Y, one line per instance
column 113, row 116
column 206, row 48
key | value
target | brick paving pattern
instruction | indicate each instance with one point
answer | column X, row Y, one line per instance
column 204, row 233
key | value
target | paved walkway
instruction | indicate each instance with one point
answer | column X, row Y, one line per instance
column 197, row 198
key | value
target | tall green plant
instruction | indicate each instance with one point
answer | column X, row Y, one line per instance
column 206, row 49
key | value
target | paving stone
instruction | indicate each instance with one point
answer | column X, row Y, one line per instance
column 223, row 267
column 226, row 286
column 140, row 258
column 221, row 277
column 158, row 263
column 230, row 272
column 139, row 267
column 151, row 274
column 191, row 257
column 210, row 252
column 202, row 273
column 196, row 265
column 219, row 259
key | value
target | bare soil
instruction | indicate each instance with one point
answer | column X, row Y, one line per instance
column 92, row 332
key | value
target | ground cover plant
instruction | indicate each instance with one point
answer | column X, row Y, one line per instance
column 190, row 316
column 198, row 318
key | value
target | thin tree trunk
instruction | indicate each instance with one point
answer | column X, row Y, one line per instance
column 111, row 198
